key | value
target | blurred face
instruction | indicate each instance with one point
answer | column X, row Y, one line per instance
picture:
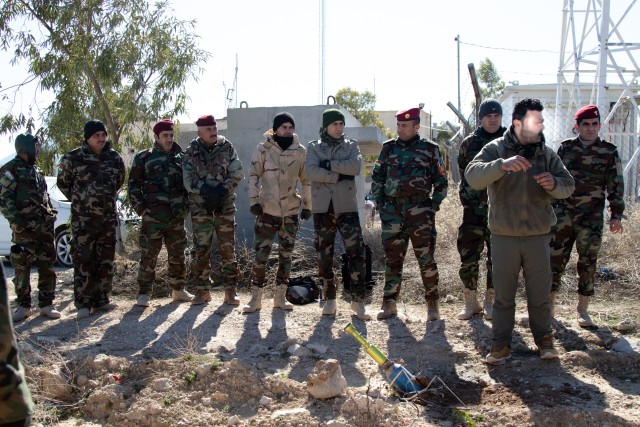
column 491, row 122
column 208, row 134
column 97, row 141
column 165, row 139
column 588, row 129
column 285, row 130
column 407, row 130
column 529, row 129
column 336, row 129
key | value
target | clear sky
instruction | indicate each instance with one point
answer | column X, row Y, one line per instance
column 404, row 52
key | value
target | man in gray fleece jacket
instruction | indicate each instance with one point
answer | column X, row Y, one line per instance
column 522, row 177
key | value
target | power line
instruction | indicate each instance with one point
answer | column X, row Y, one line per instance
column 512, row 50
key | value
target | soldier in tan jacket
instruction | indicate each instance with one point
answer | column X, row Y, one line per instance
column 277, row 166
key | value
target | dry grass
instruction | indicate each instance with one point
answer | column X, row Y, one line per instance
column 619, row 253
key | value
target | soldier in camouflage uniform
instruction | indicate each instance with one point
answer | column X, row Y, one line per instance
column 473, row 233
column 90, row 177
column 277, row 166
column 16, row 405
column 597, row 170
column 408, row 184
column 157, row 194
column 24, row 201
column 333, row 161
column 211, row 173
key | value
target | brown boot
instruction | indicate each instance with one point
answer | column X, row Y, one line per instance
column 280, row 298
column 201, row 297
column 388, row 309
column 471, row 305
column 256, row 300
column 432, row 310
column 230, row 296
column 584, row 319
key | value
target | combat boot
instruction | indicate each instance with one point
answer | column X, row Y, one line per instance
column 432, row 310
column 471, row 305
column 180, row 295
column 230, row 296
column 489, row 298
column 280, row 299
column 329, row 308
column 21, row 313
column 201, row 297
column 83, row 313
column 255, row 303
column 552, row 303
column 50, row 312
column 584, row 319
column 360, row 311
column 388, row 309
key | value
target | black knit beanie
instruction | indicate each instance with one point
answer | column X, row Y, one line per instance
column 281, row 119
column 331, row 115
column 489, row 106
column 93, row 126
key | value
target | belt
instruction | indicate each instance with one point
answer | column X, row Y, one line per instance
column 407, row 200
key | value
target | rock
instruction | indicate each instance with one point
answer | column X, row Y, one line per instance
column 317, row 347
column 336, row 423
column 626, row 325
column 220, row 397
column 363, row 404
column 284, row 346
column 102, row 402
column 48, row 339
column 161, row 384
column 326, row 380
column 100, row 361
column 28, row 354
column 265, row 401
column 622, row 346
column 207, row 401
column 233, row 420
column 203, row 369
column 258, row 349
column 53, row 382
column 445, row 424
column 300, row 351
column 293, row 348
column 82, row 380
column 449, row 299
column 289, row 412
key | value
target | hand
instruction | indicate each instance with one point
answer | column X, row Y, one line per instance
column 615, row 226
column 515, row 164
column 206, row 190
column 344, row 177
column 256, row 209
column 305, row 214
column 221, row 191
column 546, row 180
column 212, row 204
column 325, row 164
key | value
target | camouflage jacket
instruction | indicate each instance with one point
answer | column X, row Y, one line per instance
column 24, row 199
column 596, row 169
column 518, row 205
column 469, row 148
column 156, row 186
column 345, row 158
column 214, row 165
column 409, row 170
column 15, row 398
column 91, row 181
column 274, row 175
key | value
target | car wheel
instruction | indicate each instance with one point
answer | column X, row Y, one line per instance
column 63, row 249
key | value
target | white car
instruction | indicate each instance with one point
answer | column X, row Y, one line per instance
column 62, row 226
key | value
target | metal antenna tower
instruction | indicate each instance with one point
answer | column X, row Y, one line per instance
column 322, row 49
column 232, row 94
column 592, row 49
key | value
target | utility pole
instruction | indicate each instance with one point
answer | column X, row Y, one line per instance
column 458, row 43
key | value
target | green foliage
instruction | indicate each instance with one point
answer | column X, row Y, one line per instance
column 215, row 365
column 362, row 106
column 168, row 400
column 491, row 84
column 124, row 62
column 465, row 418
column 190, row 377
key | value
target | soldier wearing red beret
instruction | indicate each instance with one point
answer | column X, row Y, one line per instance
column 597, row 170
column 409, row 182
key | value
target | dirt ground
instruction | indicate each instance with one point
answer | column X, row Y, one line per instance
column 176, row 364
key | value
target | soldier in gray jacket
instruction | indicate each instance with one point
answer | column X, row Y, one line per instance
column 523, row 176
column 333, row 162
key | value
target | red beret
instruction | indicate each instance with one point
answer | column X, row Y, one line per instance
column 206, row 120
column 587, row 112
column 162, row 125
column 410, row 114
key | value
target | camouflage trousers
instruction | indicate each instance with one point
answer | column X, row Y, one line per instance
column 152, row 234
column 326, row 226
column 34, row 246
column 473, row 236
column 204, row 225
column 586, row 233
column 400, row 224
column 265, row 229
column 93, row 252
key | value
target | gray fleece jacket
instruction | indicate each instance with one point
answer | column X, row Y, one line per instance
column 518, row 205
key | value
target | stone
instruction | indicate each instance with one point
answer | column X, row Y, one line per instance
column 622, row 346
column 284, row 346
column 326, row 380
column 207, row 401
column 203, row 369
column 161, row 384
column 336, row 423
column 265, row 401
column 48, row 339
column 53, row 382
column 449, row 299
column 362, row 404
column 281, row 413
column 317, row 347
column 258, row 349
column 626, row 325
column 233, row 420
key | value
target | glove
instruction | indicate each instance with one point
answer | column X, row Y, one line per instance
column 305, row 214
column 212, row 204
column 206, row 191
column 221, row 191
column 325, row 164
column 343, row 177
column 256, row 209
